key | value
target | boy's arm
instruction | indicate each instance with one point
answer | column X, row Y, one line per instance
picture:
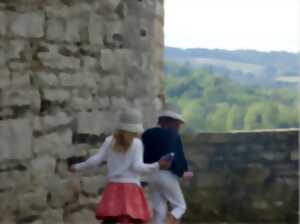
column 180, row 164
column 184, row 161
column 187, row 173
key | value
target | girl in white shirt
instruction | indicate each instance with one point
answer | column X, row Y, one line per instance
column 123, row 200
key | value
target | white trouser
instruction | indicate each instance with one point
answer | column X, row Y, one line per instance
column 164, row 187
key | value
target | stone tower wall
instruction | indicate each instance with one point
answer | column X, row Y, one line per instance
column 67, row 68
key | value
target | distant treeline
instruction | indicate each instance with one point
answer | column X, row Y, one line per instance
column 278, row 62
column 215, row 103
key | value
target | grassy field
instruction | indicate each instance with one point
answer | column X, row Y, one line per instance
column 243, row 67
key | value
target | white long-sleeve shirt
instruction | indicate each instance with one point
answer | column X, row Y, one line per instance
column 122, row 167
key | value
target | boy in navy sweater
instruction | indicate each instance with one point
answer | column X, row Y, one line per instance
column 164, row 185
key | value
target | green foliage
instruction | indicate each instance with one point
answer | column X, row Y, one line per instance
column 211, row 102
column 235, row 118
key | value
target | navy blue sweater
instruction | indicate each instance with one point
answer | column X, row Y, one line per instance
column 160, row 141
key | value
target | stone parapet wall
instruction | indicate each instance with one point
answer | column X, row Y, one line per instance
column 243, row 177
column 67, row 68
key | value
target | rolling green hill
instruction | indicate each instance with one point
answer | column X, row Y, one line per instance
column 245, row 66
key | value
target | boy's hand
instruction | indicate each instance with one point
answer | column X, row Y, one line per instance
column 171, row 219
column 188, row 175
column 166, row 161
column 164, row 164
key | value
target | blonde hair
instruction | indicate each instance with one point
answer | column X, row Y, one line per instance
column 123, row 140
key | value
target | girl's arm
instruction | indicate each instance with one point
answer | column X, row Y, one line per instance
column 97, row 159
column 138, row 163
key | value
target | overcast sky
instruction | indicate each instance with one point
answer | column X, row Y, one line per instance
column 233, row 24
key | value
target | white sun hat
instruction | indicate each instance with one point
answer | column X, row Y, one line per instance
column 131, row 120
column 172, row 111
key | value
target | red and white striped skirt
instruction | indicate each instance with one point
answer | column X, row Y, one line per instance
column 124, row 203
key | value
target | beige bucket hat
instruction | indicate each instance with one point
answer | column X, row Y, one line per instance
column 172, row 111
column 131, row 120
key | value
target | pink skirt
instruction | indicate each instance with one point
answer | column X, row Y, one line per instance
column 123, row 202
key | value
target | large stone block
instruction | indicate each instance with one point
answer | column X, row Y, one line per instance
column 35, row 100
column 68, row 23
column 7, row 205
column 3, row 23
column 83, row 216
column 273, row 156
column 117, row 86
column 37, row 222
column 96, row 122
column 15, row 48
column 44, row 79
column 55, row 29
column 256, row 175
column 82, row 103
column 70, row 80
column 56, row 144
column 90, row 63
column 52, row 216
column 95, row 29
column 20, row 80
column 29, row 24
column 88, row 201
column 134, row 87
column 106, row 7
column 107, row 60
column 102, row 103
column 90, row 80
column 50, row 122
column 62, row 169
column 21, row 97
column 32, row 202
column 159, row 9
column 42, row 170
column 15, row 139
column 74, row 9
column 118, row 60
column 113, row 85
column 18, row 66
column 209, row 180
column 294, row 155
column 118, row 103
column 17, row 180
column 4, row 78
column 57, row 95
column 92, row 185
column 6, row 113
column 3, row 57
column 53, row 59
column 57, row 10
column 61, row 192
column 75, row 28
column 8, row 219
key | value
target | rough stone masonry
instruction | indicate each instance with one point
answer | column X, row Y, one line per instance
column 67, row 68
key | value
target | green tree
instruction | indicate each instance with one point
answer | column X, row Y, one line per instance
column 287, row 116
column 235, row 118
column 260, row 115
column 253, row 117
column 217, row 119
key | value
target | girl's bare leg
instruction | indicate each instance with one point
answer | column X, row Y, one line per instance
column 171, row 219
